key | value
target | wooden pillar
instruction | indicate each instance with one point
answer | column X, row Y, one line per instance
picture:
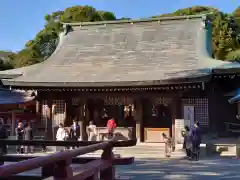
column 37, row 106
column 13, row 123
column 66, row 112
column 212, row 111
column 138, row 117
column 83, row 119
column 49, row 124
column 176, row 113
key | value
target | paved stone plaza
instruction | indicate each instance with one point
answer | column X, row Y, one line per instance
column 178, row 169
column 151, row 164
column 205, row 169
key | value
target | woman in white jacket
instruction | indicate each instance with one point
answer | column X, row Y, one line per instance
column 61, row 133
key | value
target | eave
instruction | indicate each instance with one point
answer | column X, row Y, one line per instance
column 136, row 84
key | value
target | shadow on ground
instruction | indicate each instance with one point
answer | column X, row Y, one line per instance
column 208, row 169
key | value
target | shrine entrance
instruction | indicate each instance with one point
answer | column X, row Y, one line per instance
column 102, row 108
column 157, row 115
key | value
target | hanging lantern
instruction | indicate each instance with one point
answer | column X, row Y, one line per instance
column 126, row 111
column 105, row 115
column 154, row 113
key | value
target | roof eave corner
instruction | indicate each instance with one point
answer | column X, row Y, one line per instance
column 204, row 41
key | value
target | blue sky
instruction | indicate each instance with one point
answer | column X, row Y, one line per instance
column 20, row 20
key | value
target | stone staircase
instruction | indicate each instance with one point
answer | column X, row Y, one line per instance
column 226, row 149
column 143, row 151
column 140, row 151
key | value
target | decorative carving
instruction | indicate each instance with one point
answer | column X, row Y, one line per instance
column 76, row 101
column 162, row 100
column 117, row 100
column 154, row 111
column 128, row 110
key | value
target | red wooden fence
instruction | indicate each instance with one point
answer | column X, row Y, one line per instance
column 59, row 164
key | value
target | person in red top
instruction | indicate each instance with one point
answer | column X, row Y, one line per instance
column 111, row 126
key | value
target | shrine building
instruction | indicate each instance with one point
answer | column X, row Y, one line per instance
column 144, row 73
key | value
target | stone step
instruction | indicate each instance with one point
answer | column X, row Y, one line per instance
column 226, row 149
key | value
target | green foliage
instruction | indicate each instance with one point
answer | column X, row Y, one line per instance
column 225, row 42
column 233, row 55
column 225, row 35
column 45, row 42
column 236, row 12
column 226, row 31
column 5, row 60
column 191, row 11
column 5, row 65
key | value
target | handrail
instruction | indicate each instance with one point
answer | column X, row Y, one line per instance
column 26, row 165
column 127, row 143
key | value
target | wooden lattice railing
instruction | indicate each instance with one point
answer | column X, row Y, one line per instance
column 58, row 166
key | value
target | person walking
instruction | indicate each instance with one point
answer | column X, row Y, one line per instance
column 92, row 131
column 168, row 145
column 28, row 135
column 20, row 136
column 75, row 132
column 196, row 141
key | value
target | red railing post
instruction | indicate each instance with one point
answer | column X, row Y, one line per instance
column 62, row 170
column 109, row 173
column 94, row 177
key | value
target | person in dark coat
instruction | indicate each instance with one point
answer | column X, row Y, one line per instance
column 20, row 136
column 196, row 141
column 188, row 142
column 28, row 135
column 75, row 132
column 3, row 135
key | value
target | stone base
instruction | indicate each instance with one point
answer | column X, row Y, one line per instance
column 238, row 150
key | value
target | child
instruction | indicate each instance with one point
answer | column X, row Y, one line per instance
column 168, row 145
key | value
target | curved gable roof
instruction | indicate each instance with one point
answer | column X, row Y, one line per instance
column 124, row 53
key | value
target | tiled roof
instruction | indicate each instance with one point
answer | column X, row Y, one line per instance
column 124, row 53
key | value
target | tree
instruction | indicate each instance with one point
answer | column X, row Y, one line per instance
column 5, row 60
column 225, row 29
column 5, row 65
column 225, row 41
column 233, row 55
column 236, row 12
column 45, row 42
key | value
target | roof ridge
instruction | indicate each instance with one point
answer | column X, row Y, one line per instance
column 203, row 16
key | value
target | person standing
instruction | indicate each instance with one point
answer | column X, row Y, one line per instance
column 20, row 136
column 111, row 126
column 3, row 135
column 75, row 132
column 168, row 145
column 188, row 142
column 67, row 137
column 28, row 135
column 92, row 131
column 196, row 141
column 60, row 136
